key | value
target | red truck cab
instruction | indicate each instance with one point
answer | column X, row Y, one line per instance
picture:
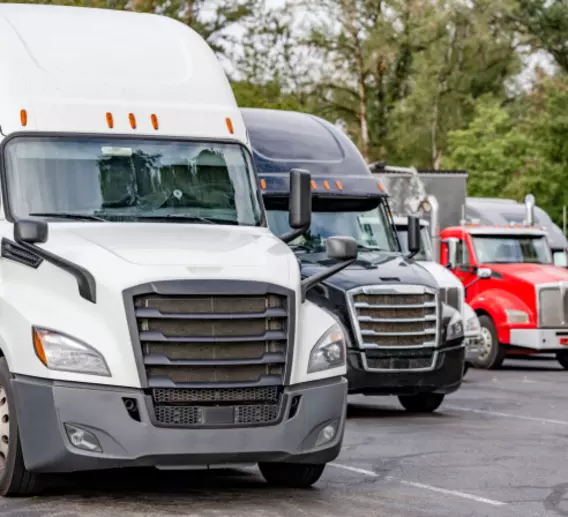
column 519, row 295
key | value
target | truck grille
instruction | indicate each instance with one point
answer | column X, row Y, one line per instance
column 553, row 305
column 391, row 321
column 451, row 296
column 214, row 360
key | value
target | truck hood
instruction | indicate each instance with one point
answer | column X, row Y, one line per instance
column 132, row 253
column 443, row 276
column 369, row 269
column 531, row 273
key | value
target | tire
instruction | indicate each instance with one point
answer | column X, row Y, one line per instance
column 465, row 368
column 422, row 402
column 562, row 358
column 291, row 475
column 15, row 480
column 493, row 352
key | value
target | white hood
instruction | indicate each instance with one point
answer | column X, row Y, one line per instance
column 444, row 277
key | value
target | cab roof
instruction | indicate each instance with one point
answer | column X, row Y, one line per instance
column 285, row 140
column 62, row 69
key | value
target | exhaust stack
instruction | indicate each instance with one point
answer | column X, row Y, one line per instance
column 529, row 207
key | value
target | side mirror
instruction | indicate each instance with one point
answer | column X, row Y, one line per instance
column 341, row 248
column 484, row 272
column 299, row 204
column 30, row 231
column 452, row 244
column 413, row 235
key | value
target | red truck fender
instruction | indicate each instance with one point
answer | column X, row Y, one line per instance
column 494, row 302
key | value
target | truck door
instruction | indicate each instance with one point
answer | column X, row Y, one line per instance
column 465, row 265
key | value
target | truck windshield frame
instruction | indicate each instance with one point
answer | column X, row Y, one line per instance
column 133, row 178
column 511, row 249
column 327, row 223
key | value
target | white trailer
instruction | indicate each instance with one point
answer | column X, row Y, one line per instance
column 149, row 316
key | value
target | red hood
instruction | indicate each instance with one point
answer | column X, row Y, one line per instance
column 532, row 273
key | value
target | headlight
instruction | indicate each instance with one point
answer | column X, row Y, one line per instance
column 472, row 325
column 63, row 353
column 329, row 351
column 455, row 327
column 516, row 316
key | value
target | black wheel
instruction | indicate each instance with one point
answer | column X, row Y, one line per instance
column 465, row 368
column 291, row 475
column 422, row 402
column 492, row 352
column 562, row 358
column 15, row 480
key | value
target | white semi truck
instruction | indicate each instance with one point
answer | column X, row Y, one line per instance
column 149, row 316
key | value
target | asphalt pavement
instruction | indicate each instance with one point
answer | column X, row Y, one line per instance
column 496, row 448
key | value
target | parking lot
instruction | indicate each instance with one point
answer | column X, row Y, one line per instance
column 497, row 447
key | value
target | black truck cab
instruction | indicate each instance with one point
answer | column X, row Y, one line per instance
column 404, row 340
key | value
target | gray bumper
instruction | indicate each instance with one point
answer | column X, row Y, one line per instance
column 43, row 407
column 472, row 349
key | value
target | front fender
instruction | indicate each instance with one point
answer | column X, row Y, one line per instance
column 494, row 302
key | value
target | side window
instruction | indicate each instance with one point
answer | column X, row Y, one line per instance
column 462, row 254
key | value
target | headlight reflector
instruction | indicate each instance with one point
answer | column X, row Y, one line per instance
column 59, row 352
column 455, row 327
column 514, row 316
column 329, row 351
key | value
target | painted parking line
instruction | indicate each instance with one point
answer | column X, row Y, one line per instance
column 422, row 486
column 506, row 415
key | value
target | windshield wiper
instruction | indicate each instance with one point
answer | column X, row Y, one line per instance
column 68, row 215
column 362, row 247
column 186, row 218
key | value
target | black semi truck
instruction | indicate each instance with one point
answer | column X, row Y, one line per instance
column 404, row 340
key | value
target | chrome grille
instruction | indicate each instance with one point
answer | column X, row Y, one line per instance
column 553, row 305
column 396, row 321
column 214, row 360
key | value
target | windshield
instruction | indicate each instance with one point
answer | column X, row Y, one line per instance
column 371, row 229
column 511, row 249
column 425, row 252
column 131, row 180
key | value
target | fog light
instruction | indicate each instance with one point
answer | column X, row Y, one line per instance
column 326, row 435
column 82, row 439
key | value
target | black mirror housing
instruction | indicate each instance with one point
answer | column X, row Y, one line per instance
column 30, row 231
column 413, row 235
column 300, row 203
column 341, row 248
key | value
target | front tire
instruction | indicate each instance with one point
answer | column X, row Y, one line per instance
column 465, row 368
column 15, row 480
column 422, row 402
column 492, row 352
column 291, row 475
column 562, row 358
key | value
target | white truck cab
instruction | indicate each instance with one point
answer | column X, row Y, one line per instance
column 451, row 288
column 149, row 316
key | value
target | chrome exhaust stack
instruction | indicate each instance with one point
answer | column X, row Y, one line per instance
column 529, row 208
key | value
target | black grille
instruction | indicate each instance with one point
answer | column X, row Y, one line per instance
column 16, row 253
column 214, row 360
column 400, row 359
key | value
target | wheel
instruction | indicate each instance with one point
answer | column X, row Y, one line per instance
column 465, row 368
column 291, row 475
column 422, row 402
column 15, row 480
column 562, row 358
column 492, row 352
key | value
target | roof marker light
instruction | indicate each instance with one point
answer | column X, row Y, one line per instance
column 110, row 120
column 229, row 123
column 326, row 185
column 381, row 188
column 132, row 120
column 314, row 186
column 24, row 118
column 339, row 185
column 263, row 184
column 155, row 123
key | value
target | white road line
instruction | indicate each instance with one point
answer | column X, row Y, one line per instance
column 507, row 415
column 420, row 485
column 354, row 469
column 454, row 493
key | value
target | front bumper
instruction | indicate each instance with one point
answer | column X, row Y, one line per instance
column 445, row 377
column 472, row 349
column 43, row 407
column 543, row 340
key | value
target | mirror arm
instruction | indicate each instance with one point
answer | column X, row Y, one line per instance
column 290, row 236
column 312, row 281
column 411, row 254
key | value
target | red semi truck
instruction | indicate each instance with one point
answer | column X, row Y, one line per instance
column 519, row 295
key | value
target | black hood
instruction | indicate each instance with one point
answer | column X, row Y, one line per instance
column 370, row 268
